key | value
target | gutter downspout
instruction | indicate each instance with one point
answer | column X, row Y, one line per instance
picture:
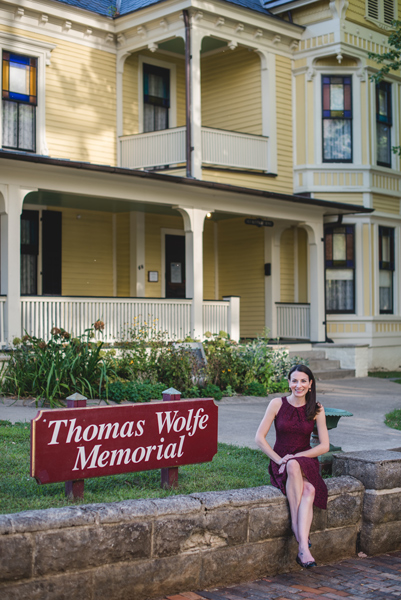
column 188, row 120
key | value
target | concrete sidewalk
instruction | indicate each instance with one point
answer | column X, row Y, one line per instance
column 369, row 399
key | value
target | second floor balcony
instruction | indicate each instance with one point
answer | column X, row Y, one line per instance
column 221, row 148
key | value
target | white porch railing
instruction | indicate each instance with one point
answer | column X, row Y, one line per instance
column 293, row 321
column 219, row 147
column 215, row 316
column 40, row 314
column 232, row 149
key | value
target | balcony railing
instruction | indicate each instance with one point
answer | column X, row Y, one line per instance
column 219, row 148
column 293, row 321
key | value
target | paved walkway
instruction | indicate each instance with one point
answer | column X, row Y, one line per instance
column 360, row 578
column 368, row 398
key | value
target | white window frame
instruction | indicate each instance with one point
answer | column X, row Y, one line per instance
column 172, row 111
column 380, row 8
column 41, row 51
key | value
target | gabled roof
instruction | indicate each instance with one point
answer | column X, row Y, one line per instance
column 110, row 8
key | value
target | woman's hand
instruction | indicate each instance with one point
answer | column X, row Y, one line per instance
column 284, row 461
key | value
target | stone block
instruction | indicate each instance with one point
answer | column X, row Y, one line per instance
column 270, row 521
column 344, row 509
column 233, row 564
column 147, row 579
column 319, row 520
column 173, row 535
column 235, row 498
column 15, row 557
column 226, row 526
column 376, row 469
column 379, row 538
column 76, row 586
column 53, row 518
column 382, row 506
column 127, row 510
column 334, row 544
column 80, row 548
column 176, row 505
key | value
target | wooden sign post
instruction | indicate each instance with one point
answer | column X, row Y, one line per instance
column 75, row 489
column 169, row 475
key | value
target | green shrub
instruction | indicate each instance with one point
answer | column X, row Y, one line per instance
column 255, row 389
column 211, row 391
column 58, row 368
column 131, row 391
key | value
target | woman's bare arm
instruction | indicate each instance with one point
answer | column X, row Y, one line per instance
column 264, row 427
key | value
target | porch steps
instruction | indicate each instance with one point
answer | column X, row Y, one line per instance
column 322, row 367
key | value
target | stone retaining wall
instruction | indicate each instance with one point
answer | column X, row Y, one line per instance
column 144, row 549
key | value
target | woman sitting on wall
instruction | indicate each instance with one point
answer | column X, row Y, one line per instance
column 294, row 467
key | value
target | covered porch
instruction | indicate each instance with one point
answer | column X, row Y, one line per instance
column 111, row 258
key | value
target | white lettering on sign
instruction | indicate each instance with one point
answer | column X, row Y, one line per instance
column 98, row 432
column 170, row 421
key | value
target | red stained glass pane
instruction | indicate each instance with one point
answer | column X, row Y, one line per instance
column 350, row 246
column 329, row 246
column 347, row 97
column 326, row 97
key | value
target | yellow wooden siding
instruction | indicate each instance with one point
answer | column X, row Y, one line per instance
column 130, row 95
column 311, row 122
column 302, row 265
column 208, row 261
column 312, row 13
column 365, row 125
column 153, row 248
column 123, row 254
column 87, row 253
column 386, row 204
column 287, row 266
column 356, row 198
column 366, row 269
column 333, row 62
column 241, row 259
column 300, row 119
column 80, row 101
column 231, row 91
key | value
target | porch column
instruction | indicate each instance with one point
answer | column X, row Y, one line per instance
column 12, row 199
column 195, row 94
column 316, row 290
column 194, row 220
column 272, row 281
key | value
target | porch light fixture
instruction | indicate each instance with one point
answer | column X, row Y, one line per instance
column 208, row 215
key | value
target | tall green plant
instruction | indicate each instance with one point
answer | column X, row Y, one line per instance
column 54, row 370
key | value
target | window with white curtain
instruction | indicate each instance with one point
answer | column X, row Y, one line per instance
column 156, row 98
column 383, row 123
column 386, row 270
column 19, row 101
column 340, row 269
column 337, row 118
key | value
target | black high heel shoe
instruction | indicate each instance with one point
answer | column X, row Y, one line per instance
column 307, row 565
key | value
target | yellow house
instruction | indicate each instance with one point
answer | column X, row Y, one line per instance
column 208, row 165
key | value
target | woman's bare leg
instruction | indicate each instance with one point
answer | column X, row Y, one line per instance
column 305, row 515
column 294, row 489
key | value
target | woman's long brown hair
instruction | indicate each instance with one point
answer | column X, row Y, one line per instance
column 312, row 407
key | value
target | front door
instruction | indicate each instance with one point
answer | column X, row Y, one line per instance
column 175, row 266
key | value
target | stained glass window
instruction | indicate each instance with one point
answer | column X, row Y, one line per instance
column 340, row 269
column 383, row 123
column 19, row 101
column 156, row 97
column 337, row 118
column 386, row 269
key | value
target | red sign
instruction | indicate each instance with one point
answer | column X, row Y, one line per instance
column 70, row 444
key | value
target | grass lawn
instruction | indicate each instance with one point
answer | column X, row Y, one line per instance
column 231, row 468
column 393, row 418
column 393, row 375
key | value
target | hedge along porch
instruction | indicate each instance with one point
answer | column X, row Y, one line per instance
column 139, row 210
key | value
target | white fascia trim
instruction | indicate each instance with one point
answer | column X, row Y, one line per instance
column 41, row 51
column 172, row 113
column 93, row 34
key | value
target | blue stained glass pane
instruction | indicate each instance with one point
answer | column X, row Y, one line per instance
column 326, row 79
column 329, row 263
column 347, row 113
column 327, row 113
column 20, row 97
column 347, row 80
column 22, row 60
column 350, row 263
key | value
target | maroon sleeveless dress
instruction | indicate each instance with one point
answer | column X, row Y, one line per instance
column 293, row 433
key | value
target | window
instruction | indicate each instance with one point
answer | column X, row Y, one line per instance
column 340, row 269
column 383, row 123
column 29, row 252
column 381, row 10
column 386, row 269
column 337, row 119
column 156, row 98
column 19, row 100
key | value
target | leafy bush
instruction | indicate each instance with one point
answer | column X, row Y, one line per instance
column 58, row 368
column 255, row 389
column 211, row 391
column 134, row 391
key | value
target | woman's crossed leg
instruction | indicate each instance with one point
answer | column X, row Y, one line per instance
column 300, row 494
